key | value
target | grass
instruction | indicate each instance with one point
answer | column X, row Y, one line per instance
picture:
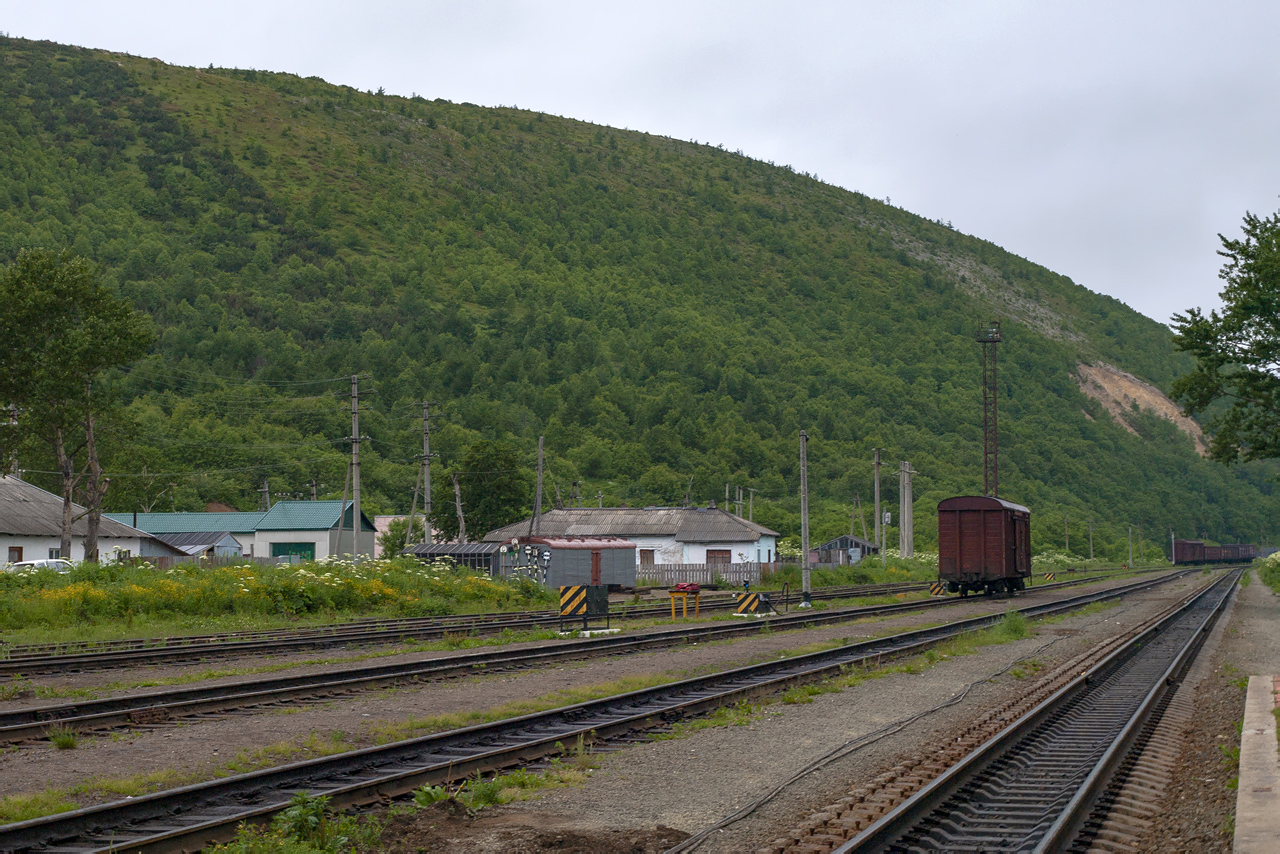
column 63, row 737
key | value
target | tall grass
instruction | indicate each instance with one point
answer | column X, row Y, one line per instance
column 97, row 593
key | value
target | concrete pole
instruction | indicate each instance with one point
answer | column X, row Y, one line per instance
column 806, row 589
column 457, row 503
column 877, row 501
column 1173, row 551
column 535, row 523
column 1131, row 547
column 1090, row 539
column 426, row 471
column 355, row 465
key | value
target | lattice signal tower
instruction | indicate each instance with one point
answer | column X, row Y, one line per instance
column 989, row 337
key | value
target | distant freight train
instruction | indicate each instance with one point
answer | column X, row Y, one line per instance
column 1195, row 551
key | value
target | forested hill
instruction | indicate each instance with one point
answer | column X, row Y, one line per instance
column 661, row 310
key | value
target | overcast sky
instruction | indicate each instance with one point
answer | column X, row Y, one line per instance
column 1109, row 141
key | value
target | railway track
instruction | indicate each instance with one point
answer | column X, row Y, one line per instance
column 156, row 707
column 1043, row 783
column 197, row 815
column 99, row 655
column 49, row 658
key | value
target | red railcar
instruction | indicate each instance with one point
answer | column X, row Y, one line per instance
column 1212, row 554
column 1195, row 551
column 984, row 544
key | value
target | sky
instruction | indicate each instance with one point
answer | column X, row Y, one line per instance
column 1109, row 141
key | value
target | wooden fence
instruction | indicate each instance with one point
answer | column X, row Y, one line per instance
column 668, row 574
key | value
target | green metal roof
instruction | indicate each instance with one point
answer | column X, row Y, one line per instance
column 309, row 516
column 284, row 516
column 182, row 523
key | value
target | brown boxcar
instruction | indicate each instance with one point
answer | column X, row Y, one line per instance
column 984, row 544
column 1188, row 551
column 1230, row 552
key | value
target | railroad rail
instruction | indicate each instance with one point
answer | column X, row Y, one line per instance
column 98, row 655
column 197, row 815
column 49, row 658
column 1036, row 785
column 156, row 707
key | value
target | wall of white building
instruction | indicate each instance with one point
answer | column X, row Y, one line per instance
column 667, row 550
column 37, row 548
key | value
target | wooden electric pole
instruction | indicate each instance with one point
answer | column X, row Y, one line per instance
column 906, row 513
column 879, row 545
column 535, row 524
column 457, row 503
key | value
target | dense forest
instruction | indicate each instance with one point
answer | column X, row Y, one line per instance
column 669, row 315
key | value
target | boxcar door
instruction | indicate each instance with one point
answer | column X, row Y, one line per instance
column 595, row 567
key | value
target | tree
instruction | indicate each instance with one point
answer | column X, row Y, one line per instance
column 64, row 329
column 392, row 539
column 495, row 487
column 1238, row 349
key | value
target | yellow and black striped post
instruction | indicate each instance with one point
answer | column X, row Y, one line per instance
column 573, row 603
column 937, row 588
column 1048, row 576
column 748, row 603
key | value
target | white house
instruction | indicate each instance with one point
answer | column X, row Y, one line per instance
column 301, row 529
column 31, row 529
column 683, row 535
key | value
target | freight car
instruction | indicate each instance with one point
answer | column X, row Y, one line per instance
column 984, row 544
column 1196, row 551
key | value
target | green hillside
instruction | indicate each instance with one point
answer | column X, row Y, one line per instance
column 660, row 310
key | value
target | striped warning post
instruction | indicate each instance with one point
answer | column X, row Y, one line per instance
column 749, row 603
column 573, row 601
column 937, row 588
column 1048, row 576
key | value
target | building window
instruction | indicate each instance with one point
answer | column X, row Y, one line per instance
column 719, row 556
column 54, row 554
column 646, row 557
column 15, row 554
column 306, row 551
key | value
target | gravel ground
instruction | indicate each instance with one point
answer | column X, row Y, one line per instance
column 1199, row 809
column 197, row 748
column 691, row 783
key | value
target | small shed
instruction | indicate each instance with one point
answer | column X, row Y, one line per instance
column 207, row 544
column 589, row 560
column 843, row 550
column 482, row 557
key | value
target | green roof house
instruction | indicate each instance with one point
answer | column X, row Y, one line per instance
column 307, row 529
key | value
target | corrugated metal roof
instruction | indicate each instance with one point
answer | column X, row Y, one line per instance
column 584, row 543
column 183, row 523
column 29, row 511
column 685, row 524
column 310, row 516
column 451, row 549
column 197, row 539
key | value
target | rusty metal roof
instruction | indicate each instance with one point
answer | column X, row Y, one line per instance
column 684, row 524
column 584, row 543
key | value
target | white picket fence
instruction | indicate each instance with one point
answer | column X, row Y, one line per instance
column 669, row 574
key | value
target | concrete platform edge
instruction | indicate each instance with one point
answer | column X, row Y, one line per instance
column 1258, row 797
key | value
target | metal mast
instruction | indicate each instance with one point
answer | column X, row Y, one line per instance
column 989, row 337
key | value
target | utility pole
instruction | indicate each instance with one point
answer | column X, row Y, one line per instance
column 877, row 500
column 1090, row 539
column 1142, row 553
column 1173, row 550
column 1066, row 535
column 906, row 514
column 355, row 464
column 314, row 486
column 264, row 503
column 457, row 503
column 806, row 590
column 599, row 498
column 426, row 472
column 726, row 496
column 1131, row 547
column 751, row 505
column 535, row 522
column 739, row 501
column 857, row 508
column 989, row 337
